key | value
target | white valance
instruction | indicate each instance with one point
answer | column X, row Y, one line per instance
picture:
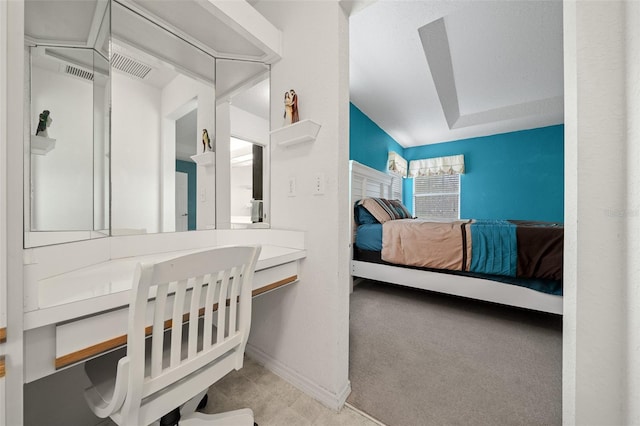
column 396, row 164
column 437, row 166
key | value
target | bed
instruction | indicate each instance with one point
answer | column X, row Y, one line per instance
column 517, row 284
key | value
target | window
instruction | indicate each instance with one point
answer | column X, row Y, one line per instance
column 437, row 197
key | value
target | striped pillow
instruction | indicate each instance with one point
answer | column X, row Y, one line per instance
column 384, row 210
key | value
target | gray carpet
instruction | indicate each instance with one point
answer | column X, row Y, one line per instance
column 421, row 358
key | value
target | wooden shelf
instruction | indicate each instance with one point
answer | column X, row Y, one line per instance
column 205, row 159
column 302, row 131
column 41, row 145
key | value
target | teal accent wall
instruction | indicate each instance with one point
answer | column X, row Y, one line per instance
column 190, row 169
column 368, row 143
column 517, row 175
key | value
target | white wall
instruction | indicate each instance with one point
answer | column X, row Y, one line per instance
column 63, row 178
column 12, row 107
column 223, row 167
column 303, row 330
column 601, row 359
column 135, row 155
column 249, row 127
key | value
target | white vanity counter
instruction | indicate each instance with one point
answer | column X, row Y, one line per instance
column 106, row 285
column 77, row 295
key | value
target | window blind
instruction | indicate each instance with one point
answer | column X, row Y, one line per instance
column 437, row 197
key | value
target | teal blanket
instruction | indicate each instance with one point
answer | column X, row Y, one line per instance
column 494, row 249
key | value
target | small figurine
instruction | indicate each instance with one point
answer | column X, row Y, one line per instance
column 294, row 106
column 288, row 108
column 206, row 142
column 291, row 107
column 44, row 122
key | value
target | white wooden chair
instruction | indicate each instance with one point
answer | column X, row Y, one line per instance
column 177, row 363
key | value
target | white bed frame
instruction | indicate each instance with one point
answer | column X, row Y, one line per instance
column 367, row 182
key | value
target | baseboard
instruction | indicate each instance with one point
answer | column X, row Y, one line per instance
column 331, row 400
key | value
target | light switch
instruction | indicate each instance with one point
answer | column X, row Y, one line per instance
column 291, row 190
column 203, row 195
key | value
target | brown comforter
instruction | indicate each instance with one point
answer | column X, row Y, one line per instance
column 540, row 249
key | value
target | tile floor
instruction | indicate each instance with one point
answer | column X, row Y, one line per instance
column 275, row 402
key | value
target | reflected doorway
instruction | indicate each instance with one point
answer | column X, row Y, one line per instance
column 186, row 173
column 182, row 201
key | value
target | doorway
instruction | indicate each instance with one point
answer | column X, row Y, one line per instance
column 185, row 171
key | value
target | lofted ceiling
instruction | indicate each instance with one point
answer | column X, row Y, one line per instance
column 435, row 71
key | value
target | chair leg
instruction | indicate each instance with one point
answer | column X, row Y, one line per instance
column 203, row 402
column 170, row 419
column 193, row 404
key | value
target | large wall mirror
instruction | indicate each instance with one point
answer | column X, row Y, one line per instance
column 66, row 121
column 150, row 133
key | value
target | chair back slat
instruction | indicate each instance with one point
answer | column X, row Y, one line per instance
column 157, row 336
column 210, row 298
column 222, row 306
column 199, row 282
column 193, row 315
column 176, row 322
column 234, row 293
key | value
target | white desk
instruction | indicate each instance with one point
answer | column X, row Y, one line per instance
column 83, row 313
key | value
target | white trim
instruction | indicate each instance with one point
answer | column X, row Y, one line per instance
column 248, row 22
column 334, row 401
column 3, row 193
column 13, row 165
column 3, row 169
